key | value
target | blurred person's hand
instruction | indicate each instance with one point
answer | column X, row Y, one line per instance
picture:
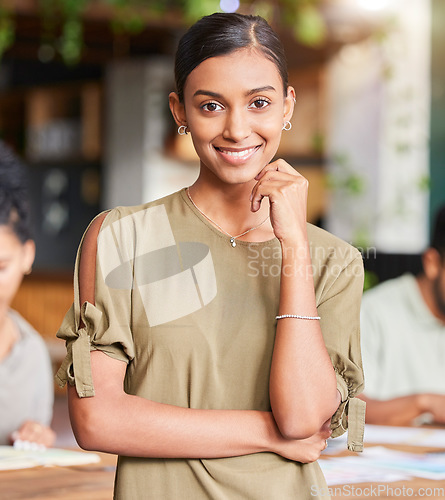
column 34, row 432
column 433, row 404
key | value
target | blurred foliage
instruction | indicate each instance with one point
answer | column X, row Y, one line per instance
column 7, row 30
column 318, row 143
column 371, row 280
column 344, row 178
column 62, row 21
column 424, row 183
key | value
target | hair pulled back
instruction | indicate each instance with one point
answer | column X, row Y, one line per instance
column 14, row 208
column 222, row 33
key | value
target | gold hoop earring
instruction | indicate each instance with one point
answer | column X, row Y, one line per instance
column 287, row 126
column 183, row 130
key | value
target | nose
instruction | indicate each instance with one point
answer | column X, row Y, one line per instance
column 237, row 125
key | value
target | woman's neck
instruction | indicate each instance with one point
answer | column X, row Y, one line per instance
column 430, row 298
column 8, row 334
column 229, row 207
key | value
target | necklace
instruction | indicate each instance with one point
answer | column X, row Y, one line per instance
column 232, row 238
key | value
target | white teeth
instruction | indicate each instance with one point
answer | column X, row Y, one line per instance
column 237, row 154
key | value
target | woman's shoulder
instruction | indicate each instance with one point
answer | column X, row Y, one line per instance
column 119, row 227
column 27, row 332
column 325, row 246
column 133, row 213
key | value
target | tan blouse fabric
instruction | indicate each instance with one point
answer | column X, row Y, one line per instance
column 194, row 319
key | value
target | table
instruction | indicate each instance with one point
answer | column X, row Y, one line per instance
column 414, row 488
column 95, row 482
column 85, row 482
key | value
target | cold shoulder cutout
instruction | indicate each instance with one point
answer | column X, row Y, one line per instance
column 89, row 325
column 87, row 264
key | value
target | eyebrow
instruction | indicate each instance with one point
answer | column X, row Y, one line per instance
column 248, row 93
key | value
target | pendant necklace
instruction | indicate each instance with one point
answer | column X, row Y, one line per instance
column 232, row 238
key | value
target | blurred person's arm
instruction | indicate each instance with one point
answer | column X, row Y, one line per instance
column 35, row 428
column 405, row 410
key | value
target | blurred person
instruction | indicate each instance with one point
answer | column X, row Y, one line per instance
column 403, row 342
column 26, row 378
column 208, row 372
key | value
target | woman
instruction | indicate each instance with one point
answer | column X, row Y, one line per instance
column 26, row 378
column 192, row 380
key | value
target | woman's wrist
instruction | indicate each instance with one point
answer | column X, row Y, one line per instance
column 295, row 239
column 295, row 246
column 272, row 434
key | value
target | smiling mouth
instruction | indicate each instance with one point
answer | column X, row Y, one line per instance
column 240, row 153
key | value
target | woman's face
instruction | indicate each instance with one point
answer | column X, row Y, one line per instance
column 16, row 259
column 235, row 110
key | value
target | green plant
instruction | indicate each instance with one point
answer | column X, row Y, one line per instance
column 345, row 179
column 6, row 30
column 370, row 280
column 62, row 21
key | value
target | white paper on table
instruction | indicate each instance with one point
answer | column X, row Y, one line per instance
column 413, row 436
column 382, row 465
column 11, row 458
column 349, row 470
column 384, row 434
column 426, row 465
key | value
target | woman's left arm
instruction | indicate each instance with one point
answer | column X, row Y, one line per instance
column 303, row 389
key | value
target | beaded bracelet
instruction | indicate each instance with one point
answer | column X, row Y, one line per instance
column 297, row 316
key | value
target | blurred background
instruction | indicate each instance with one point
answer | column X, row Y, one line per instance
column 84, row 101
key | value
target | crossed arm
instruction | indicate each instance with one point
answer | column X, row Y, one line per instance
column 116, row 422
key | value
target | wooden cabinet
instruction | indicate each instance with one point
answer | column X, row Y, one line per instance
column 43, row 300
column 63, row 123
column 307, row 136
column 54, row 122
column 57, row 129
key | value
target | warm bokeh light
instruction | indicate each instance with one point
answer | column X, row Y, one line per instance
column 229, row 5
column 373, row 4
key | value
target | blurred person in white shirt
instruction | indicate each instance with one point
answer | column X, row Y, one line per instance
column 403, row 342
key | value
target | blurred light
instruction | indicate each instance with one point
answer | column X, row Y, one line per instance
column 46, row 53
column 351, row 54
column 374, row 4
column 229, row 5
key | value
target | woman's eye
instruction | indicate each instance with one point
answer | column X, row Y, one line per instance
column 260, row 103
column 211, row 106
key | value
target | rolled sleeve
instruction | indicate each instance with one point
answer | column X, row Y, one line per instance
column 339, row 308
column 76, row 367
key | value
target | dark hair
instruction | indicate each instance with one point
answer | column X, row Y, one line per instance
column 222, row 33
column 14, row 209
column 438, row 236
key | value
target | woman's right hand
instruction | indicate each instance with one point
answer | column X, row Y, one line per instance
column 302, row 450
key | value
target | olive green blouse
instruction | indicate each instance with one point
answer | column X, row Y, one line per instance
column 194, row 319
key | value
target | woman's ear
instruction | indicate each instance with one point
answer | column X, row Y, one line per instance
column 431, row 262
column 177, row 109
column 289, row 104
column 29, row 249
